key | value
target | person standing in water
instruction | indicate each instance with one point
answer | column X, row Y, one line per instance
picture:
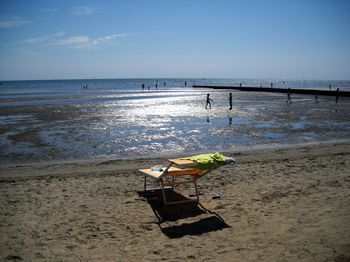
column 209, row 100
column 230, row 101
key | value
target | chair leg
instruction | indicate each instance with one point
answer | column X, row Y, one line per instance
column 145, row 184
column 173, row 184
column 163, row 191
column 195, row 188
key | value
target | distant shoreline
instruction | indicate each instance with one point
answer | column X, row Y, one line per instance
column 178, row 78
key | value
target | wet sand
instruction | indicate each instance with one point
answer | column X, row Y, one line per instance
column 138, row 124
column 289, row 204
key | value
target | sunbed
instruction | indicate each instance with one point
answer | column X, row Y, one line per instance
column 184, row 171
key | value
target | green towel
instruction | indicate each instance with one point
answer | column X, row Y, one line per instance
column 207, row 161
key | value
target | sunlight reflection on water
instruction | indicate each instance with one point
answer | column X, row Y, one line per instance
column 129, row 124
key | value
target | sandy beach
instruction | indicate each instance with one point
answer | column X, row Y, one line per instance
column 286, row 204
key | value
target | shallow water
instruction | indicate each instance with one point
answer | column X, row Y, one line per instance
column 105, row 122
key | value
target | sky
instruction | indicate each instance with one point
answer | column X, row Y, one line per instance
column 75, row 39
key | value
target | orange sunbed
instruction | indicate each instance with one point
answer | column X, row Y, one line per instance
column 177, row 168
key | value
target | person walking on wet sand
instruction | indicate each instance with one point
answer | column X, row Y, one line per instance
column 209, row 100
column 289, row 99
column 230, row 101
column 337, row 96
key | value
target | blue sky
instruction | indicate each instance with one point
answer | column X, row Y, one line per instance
column 281, row 39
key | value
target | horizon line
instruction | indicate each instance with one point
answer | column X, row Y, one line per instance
column 159, row 78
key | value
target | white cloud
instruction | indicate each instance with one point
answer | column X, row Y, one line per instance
column 87, row 42
column 82, row 10
column 75, row 41
column 107, row 38
column 46, row 9
column 45, row 38
column 79, row 41
column 12, row 21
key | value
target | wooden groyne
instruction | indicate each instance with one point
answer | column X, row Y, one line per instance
column 322, row 92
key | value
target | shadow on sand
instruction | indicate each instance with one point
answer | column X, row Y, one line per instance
column 172, row 213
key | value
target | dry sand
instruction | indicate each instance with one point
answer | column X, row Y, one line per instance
column 278, row 205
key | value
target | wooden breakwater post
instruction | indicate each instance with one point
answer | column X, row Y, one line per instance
column 322, row 92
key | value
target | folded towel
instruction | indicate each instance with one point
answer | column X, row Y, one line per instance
column 209, row 161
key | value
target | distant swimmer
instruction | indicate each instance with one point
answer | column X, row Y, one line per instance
column 143, row 86
column 185, row 83
column 230, row 101
column 157, row 85
column 330, row 87
column 164, row 83
column 316, row 99
column 209, row 100
column 271, row 85
column 148, row 87
column 289, row 99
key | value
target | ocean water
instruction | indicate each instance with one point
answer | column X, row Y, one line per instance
column 57, row 120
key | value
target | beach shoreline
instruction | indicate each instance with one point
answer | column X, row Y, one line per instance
column 280, row 204
column 48, row 168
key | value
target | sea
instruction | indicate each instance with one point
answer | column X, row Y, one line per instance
column 98, row 119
